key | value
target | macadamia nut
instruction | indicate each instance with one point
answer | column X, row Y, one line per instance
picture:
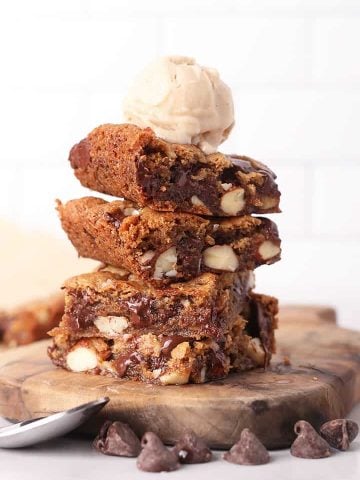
column 111, row 325
column 166, row 264
column 233, row 202
column 268, row 250
column 195, row 200
column 221, row 257
column 81, row 359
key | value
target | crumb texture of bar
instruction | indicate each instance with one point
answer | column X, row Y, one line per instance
column 168, row 359
column 130, row 162
column 114, row 300
column 167, row 246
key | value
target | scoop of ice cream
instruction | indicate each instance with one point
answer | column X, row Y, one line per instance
column 182, row 102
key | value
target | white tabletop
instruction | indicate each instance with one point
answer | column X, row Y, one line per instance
column 70, row 458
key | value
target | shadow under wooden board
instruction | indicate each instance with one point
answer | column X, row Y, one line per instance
column 321, row 382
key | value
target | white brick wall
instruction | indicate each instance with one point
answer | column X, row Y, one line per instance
column 295, row 71
column 238, row 46
column 335, row 56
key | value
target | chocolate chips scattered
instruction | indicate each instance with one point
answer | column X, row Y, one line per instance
column 339, row 433
column 155, row 457
column 248, row 450
column 192, row 449
column 116, row 438
column 308, row 443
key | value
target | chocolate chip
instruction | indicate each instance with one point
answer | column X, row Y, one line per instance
column 123, row 362
column 192, row 449
column 116, row 438
column 247, row 451
column 155, row 457
column 116, row 217
column 168, row 343
column 140, row 307
column 308, row 443
column 339, row 433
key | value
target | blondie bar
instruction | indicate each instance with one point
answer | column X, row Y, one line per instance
column 172, row 358
column 131, row 162
column 167, row 246
column 115, row 302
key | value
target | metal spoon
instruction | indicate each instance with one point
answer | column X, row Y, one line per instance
column 31, row 432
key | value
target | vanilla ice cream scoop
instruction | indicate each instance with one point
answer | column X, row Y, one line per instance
column 182, row 102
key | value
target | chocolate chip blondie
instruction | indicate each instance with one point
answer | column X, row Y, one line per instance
column 133, row 163
column 167, row 247
column 170, row 358
column 112, row 301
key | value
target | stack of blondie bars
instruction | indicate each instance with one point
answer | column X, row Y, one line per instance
column 173, row 300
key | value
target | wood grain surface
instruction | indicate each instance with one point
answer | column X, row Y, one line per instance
column 315, row 376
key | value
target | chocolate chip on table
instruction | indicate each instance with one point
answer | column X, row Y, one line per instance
column 308, row 443
column 155, row 457
column 116, row 438
column 247, row 451
column 339, row 433
column 192, row 449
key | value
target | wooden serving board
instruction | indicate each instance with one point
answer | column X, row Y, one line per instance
column 321, row 382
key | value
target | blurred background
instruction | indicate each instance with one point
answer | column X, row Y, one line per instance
column 294, row 68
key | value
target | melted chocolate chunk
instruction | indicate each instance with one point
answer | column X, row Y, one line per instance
column 117, row 438
column 170, row 342
column 268, row 187
column 82, row 313
column 80, row 155
column 241, row 164
column 189, row 255
column 123, row 362
column 144, row 311
column 248, row 165
column 150, row 181
column 206, row 191
column 116, row 217
column 140, row 307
